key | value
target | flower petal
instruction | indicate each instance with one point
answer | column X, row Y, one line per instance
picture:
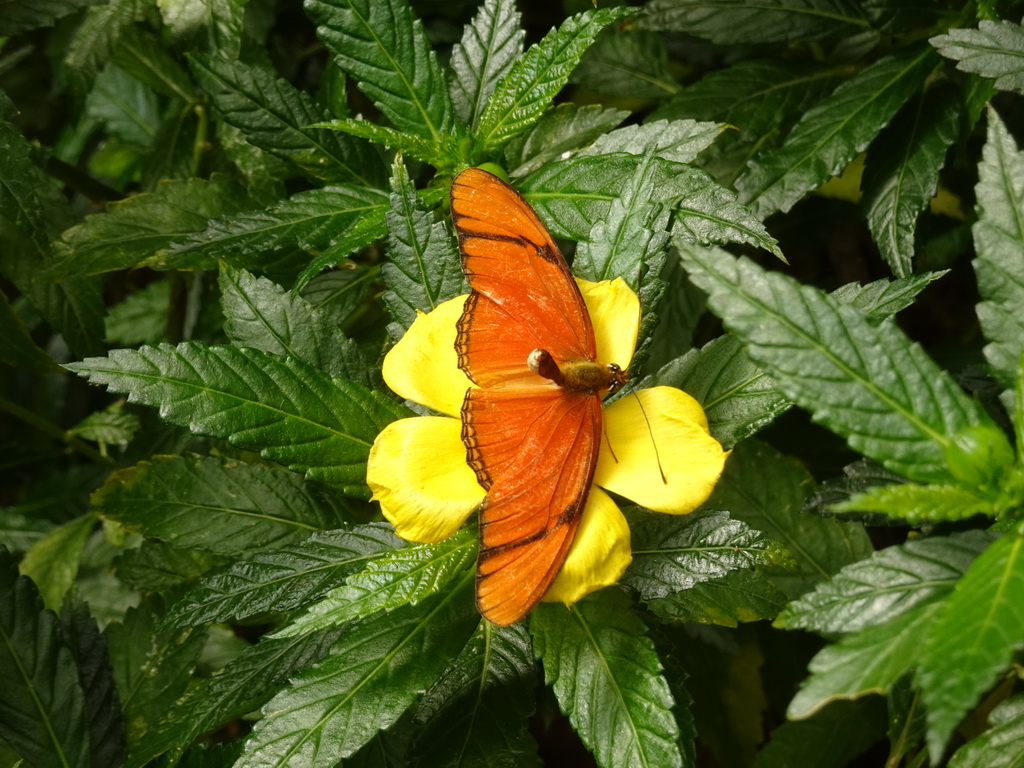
column 417, row 471
column 665, row 427
column 423, row 366
column 598, row 556
column 615, row 312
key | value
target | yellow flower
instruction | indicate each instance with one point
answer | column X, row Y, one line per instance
column 661, row 455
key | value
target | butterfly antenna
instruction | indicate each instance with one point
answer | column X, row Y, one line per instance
column 654, row 442
column 608, row 440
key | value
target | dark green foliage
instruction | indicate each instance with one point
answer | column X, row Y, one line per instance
column 222, row 214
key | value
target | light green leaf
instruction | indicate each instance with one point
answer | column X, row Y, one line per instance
column 312, row 220
column 677, row 141
column 289, row 412
column 737, row 597
column 262, row 315
column 921, row 503
column 42, row 711
column 385, row 50
column 142, row 317
column 995, row 49
column 205, row 25
column 369, row 678
column 902, row 172
column 867, row 383
column 999, row 240
column 999, row 746
column 832, row 133
column 243, row 686
column 475, row 715
column 423, row 268
column 766, row 490
column 385, row 136
column 628, row 64
column 52, row 562
column 112, row 426
column 490, row 45
column 151, row 668
column 141, row 227
column 771, row 21
column 215, row 505
column 888, row 584
column 405, row 576
column 672, row 554
column 977, row 632
column 608, row 679
column 562, row 129
column 869, row 661
column 527, row 89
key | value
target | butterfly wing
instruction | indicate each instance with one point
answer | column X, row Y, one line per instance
column 524, row 296
column 535, row 450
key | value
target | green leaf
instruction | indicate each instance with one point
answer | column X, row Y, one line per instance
column 151, row 668
column 142, row 317
column 262, row 315
column 737, row 597
column 276, row 117
column 867, row 383
column 832, row 738
column 474, row 716
column 371, row 676
column 869, row 661
column 282, row 408
column 977, row 632
column 573, row 195
column 999, row 746
column 127, row 108
column 42, row 711
column 766, row 490
column 52, row 562
column 992, row 50
column 73, row 308
column 111, row 426
column 881, row 299
column 490, row 45
column 921, row 503
column 18, row 349
column 672, row 554
column 220, row 506
column 385, row 136
column 888, row 584
column 384, row 48
column 902, row 172
column 144, row 56
column 283, row 579
column 159, row 567
column 21, row 15
column 140, row 228
column 405, row 576
column 999, row 240
column 744, row 22
column 608, row 679
column 173, row 153
column 311, row 220
column 340, row 292
column 529, row 86
column 244, row 685
column 372, row 226
column 423, row 268
column 832, row 133
column 89, row 647
column 210, row 25
column 628, row 64
column 763, row 98
column 94, row 41
column 561, row 129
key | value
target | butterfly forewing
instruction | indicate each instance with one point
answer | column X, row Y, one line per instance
column 532, row 443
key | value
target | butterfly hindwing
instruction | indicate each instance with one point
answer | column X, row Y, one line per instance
column 535, row 450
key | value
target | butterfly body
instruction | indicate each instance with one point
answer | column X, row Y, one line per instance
column 532, row 425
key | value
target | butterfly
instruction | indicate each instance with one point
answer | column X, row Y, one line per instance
column 532, row 425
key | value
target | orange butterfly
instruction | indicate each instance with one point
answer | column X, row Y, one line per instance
column 532, row 429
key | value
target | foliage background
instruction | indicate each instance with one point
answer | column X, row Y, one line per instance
column 225, row 212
